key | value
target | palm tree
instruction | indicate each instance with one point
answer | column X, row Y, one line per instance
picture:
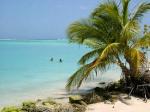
column 114, row 35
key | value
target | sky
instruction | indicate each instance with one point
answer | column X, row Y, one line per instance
column 44, row 19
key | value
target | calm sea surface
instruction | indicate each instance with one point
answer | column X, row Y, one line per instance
column 27, row 72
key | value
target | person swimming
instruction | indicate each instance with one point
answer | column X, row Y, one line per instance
column 51, row 59
column 60, row 60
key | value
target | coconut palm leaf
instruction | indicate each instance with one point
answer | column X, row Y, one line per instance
column 107, row 18
column 78, row 32
column 107, row 8
column 136, row 59
column 125, row 12
column 111, row 50
column 143, row 42
column 93, row 43
column 73, row 81
column 129, row 31
column 90, row 55
column 141, row 10
column 76, row 79
column 84, row 72
column 103, row 61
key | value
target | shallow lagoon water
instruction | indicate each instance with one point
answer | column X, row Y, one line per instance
column 26, row 70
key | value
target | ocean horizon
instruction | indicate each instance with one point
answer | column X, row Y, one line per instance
column 27, row 71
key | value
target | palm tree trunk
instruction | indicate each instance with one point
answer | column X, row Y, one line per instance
column 125, row 70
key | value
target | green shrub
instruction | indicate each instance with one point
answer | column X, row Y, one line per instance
column 29, row 106
column 11, row 109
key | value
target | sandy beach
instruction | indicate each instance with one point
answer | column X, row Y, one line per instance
column 123, row 105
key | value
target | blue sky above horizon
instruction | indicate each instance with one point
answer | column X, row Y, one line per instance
column 44, row 19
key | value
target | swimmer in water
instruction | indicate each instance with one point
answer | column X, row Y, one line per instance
column 60, row 60
column 51, row 59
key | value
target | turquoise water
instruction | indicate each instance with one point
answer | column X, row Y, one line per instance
column 27, row 72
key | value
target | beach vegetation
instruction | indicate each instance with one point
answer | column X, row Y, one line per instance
column 46, row 105
column 29, row 106
column 11, row 109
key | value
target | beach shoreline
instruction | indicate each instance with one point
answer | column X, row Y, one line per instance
column 132, row 105
column 58, row 93
column 54, row 94
column 135, row 104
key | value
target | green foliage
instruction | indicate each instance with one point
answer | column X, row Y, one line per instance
column 141, row 10
column 114, row 35
column 11, row 109
column 146, row 29
column 125, row 12
column 48, row 105
column 29, row 106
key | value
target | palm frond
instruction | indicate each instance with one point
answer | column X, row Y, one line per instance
column 107, row 18
column 90, row 55
column 85, row 72
column 93, row 43
column 143, row 42
column 136, row 59
column 74, row 80
column 111, row 50
column 99, row 64
column 129, row 31
column 82, row 73
column 105, row 59
column 79, row 31
column 141, row 10
column 107, row 8
column 125, row 12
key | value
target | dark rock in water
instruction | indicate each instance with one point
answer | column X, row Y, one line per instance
column 102, row 83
